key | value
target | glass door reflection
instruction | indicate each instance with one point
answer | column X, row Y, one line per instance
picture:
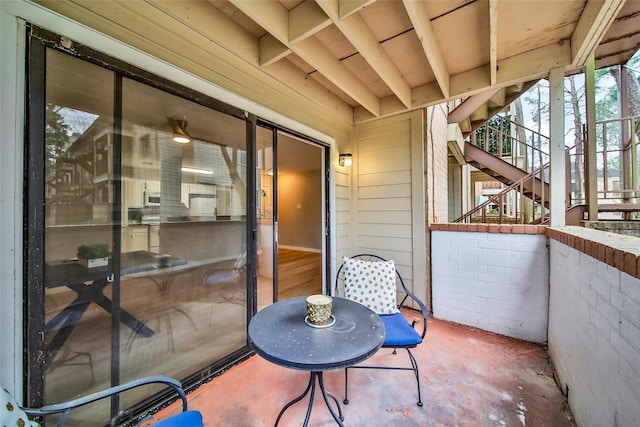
column 265, row 206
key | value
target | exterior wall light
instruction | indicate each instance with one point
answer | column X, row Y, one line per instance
column 345, row 159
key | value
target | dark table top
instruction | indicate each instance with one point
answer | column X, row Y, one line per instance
column 279, row 334
column 57, row 273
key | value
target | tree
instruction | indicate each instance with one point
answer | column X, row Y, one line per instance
column 497, row 130
column 575, row 101
column 540, row 115
column 57, row 133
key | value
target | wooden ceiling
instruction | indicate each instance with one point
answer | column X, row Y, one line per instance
column 384, row 57
column 380, row 58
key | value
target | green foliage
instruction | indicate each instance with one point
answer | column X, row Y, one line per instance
column 56, row 132
column 607, row 103
column 499, row 132
column 97, row 250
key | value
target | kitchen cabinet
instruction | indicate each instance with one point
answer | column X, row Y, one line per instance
column 135, row 238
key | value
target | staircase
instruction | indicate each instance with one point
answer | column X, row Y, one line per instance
column 499, row 152
column 505, row 172
column 518, row 211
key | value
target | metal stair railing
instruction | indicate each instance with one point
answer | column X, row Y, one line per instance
column 539, row 205
column 508, row 144
column 617, row 163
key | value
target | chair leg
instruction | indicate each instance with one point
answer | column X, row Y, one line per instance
column 414, row 368
column 414, row 364
column 346, row 386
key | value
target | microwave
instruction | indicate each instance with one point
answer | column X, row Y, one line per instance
column 151, row 198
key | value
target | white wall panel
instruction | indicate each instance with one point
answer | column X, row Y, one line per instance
column 375, row 245
column 398, row 190
column 385, row 204
column 393, row 177
column 388, row 216
column 382, row 217
column 389, row 230
column 384, row 160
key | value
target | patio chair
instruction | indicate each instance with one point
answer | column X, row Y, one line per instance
column 373, row 281
column 12, row 415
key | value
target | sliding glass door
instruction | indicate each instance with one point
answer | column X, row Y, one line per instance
column 140, row 264
column 158, row 221
column 291, row 215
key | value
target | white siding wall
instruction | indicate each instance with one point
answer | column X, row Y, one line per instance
column 343, row 215
column 388, row 192
column 436, row 179
column 594, row 337
column 493, row 281
column 12, row 49
column 437, row 175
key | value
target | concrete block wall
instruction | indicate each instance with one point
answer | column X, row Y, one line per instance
column 594, row 324
column 493, row 277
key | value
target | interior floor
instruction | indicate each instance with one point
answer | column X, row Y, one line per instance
column 299, row 274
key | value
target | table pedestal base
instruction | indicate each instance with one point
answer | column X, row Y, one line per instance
column 311, row 387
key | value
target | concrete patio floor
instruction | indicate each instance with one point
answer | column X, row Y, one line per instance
column 468, row 377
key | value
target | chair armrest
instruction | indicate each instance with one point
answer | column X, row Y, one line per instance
column 423, row 309
column 66, row 407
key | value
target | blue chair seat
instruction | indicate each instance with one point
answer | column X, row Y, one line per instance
column 398, row 332
column 187, row 418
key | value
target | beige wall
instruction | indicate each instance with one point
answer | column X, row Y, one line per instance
column 387, row 194
column 342, row 203
column 300, row 210
column 436, row 177
column 436, row 172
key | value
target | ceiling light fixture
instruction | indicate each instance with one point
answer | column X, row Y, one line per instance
column 179, row 128
column 197, row 170
column 345, row 159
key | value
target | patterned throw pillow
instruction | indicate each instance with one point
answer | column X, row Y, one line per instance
column 11, row 414
column 371, row 283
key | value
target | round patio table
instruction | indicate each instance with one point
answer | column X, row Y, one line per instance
column 280, row 334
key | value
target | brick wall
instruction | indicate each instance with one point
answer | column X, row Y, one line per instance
column 594, row 324
column 493, row 277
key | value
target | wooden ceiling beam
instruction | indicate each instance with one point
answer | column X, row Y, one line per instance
column 423, row 96
column 319, row 57
column 271, row 50
column 534, row 64
column 274, row 18
column 421, row 21
column 596, row 18
column 349, row 7
column 306, row 19
column 359, row 34
column 493, row 39
column 471, row 82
